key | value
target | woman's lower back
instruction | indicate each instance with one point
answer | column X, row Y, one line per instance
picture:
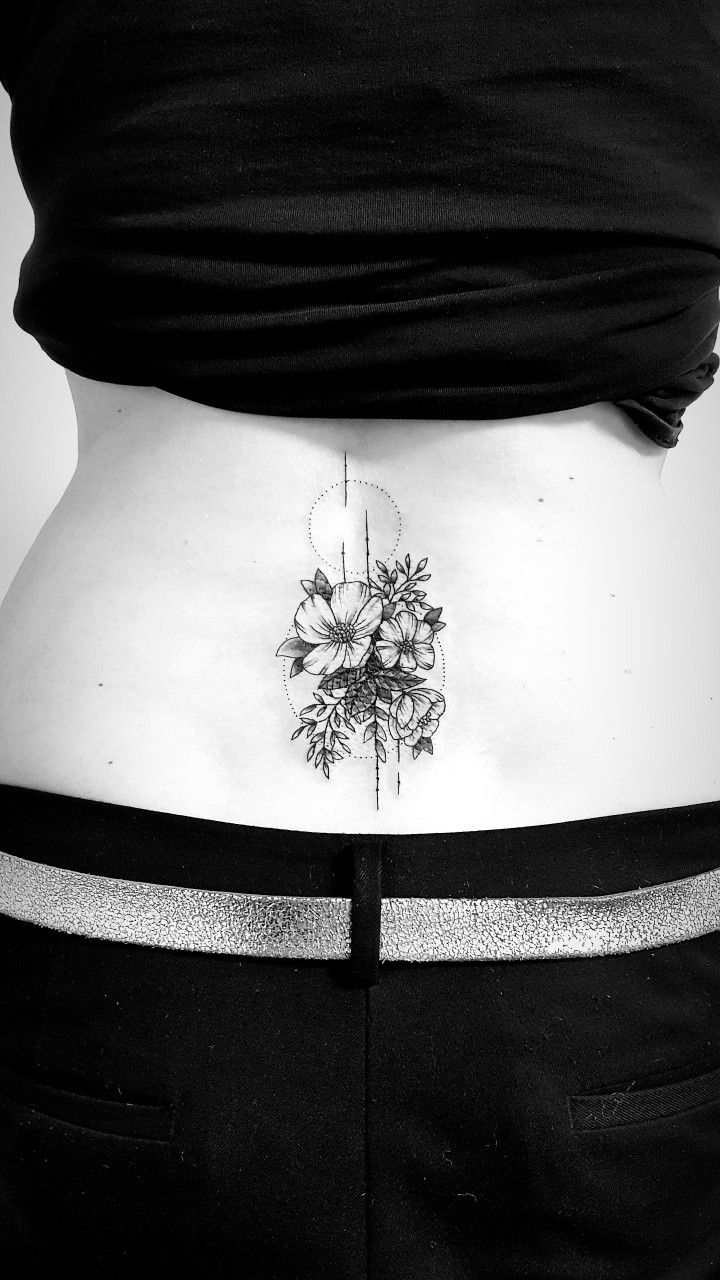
column 576, row 673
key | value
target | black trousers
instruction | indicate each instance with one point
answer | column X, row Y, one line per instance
column 168, row 1113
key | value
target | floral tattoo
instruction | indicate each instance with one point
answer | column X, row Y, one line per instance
column 367, row 640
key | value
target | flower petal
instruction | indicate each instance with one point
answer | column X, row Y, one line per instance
column 404, row 709
column 369, row 617
column 314, row 619
column 425, row 655
column 387, row 651
column 356, row 652
column 408, row 624
column 437, row 702
column 423, row 633
column 325, row 658
column 347, row 599
column 429, row 700
column 406, row 661
column 389, row 630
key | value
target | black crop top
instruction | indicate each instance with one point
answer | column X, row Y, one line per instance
column 397, row 208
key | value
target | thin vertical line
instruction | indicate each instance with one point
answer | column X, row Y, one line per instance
column 367, row 573
column 345, row 501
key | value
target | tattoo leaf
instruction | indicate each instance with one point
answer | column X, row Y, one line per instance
column 322, row 586
column 294, row 647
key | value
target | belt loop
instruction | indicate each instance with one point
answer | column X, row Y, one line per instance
column 365, row 909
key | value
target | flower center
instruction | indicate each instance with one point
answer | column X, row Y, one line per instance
column 406, row 646
column 343, row 632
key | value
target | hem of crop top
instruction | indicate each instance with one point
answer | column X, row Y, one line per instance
column 655, row 410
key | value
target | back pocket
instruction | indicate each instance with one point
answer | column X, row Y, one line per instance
column 89, row 1185
column 149, row 1121
column 636, row 1105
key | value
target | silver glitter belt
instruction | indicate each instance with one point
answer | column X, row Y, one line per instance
column 319, row 928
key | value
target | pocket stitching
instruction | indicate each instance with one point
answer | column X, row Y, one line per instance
column 588, row 1111
column 148, row 1122
column 84, row 1128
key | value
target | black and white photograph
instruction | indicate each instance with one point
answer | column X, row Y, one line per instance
column 360, row 640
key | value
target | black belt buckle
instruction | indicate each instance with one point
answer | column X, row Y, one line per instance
column 365, row 908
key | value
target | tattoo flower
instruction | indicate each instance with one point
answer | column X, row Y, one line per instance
column 339, row 629
column 405, row 641
column 366, row 642
column 415, row 715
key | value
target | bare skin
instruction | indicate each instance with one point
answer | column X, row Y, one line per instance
column 575, row 672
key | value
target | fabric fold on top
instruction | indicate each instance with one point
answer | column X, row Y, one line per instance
column 466, row 211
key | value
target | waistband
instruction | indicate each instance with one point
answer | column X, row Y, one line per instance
column 606, row 854
column 365, row 928
column 372, row 923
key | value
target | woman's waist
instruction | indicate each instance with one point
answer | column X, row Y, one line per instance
column 149, row 654
column 188, row 544
column 194, row 491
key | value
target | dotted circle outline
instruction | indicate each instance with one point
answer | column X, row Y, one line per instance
column 341, row 484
